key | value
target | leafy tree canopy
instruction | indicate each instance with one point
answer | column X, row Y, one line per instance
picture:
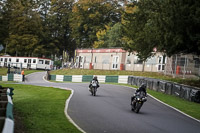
column 169, row 26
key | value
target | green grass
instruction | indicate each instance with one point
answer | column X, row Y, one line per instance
column 40, row 109
column 3, row 71
column 191, row 82
column 26, row 71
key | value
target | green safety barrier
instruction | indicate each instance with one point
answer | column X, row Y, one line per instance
column 52, row 77
column 10, row 77
column 87, row 78
column 8, row 126
column 113, row 79
column 11, row 92
column 9, row 111
column 67, row 78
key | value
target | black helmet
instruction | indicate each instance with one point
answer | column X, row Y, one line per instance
column 95, row 78
column 143, row 85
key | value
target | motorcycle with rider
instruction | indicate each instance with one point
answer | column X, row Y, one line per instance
column 138, row 98
column 94, row 84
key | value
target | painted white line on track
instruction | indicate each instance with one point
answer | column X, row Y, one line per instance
column 66, row 106
column 69, row 118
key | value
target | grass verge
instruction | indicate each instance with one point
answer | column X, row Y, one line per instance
column 3, row 71
column 40, row 109
column 26, row 71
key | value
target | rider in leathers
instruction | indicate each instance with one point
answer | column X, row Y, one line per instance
column 94, row 78
column 141, row 88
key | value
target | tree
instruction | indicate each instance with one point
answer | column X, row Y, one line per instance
column 178, row 25
column 170, row 26
column 59, row 16
column 4, row 21
column 109, row 37
column 50, row 48
column 91, row 16
column 137, row 29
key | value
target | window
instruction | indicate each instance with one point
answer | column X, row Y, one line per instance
column 34, row 60
column 47, row 62
column 40, row 62
column 87, row 59
column 29, row 60
column 159, row 60
column 138, row 62
column 95, row 59
column 197, row 63
column 182, row 61
column 25, row 60
column 10, row 59
column 17, row 60
column 1, row 59
column 151, row 60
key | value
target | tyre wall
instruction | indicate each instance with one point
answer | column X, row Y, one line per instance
column 170, row 88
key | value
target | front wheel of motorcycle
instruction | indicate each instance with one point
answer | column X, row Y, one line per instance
column 132, row 106
column 95, row 91
column 138, row 106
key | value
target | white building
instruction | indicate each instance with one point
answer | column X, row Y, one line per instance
column 26, row 62
column 117, row 59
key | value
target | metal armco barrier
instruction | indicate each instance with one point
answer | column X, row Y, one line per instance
column 170, row 88
column 6, row 110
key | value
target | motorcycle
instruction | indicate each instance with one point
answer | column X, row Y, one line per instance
column 93, row 88
column 138, row 101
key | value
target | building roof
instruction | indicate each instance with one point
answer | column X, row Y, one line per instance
column 102, row 50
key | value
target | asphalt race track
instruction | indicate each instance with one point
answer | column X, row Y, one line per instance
column 110, row 110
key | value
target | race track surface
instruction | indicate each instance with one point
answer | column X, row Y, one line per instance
column 110, row 111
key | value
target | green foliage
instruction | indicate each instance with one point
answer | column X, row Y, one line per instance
column 59, row 16
column 49, row 27
column 169, row 26
column 114, row 36
column 58, row 63
column 89, row 17
column 24, row 29
column 111, row 37
column 137, row 30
